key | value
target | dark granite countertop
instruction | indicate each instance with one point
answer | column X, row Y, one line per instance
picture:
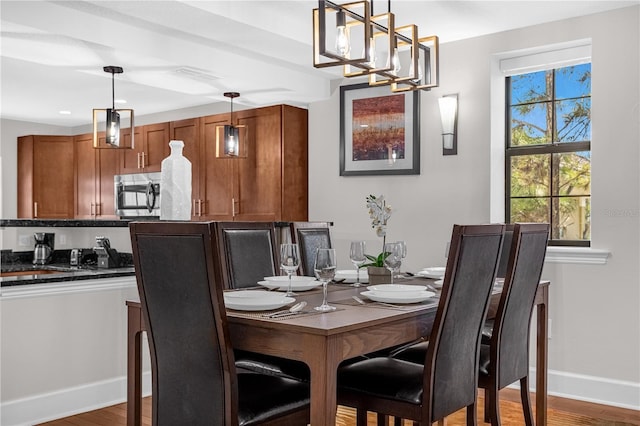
column 58, row 273
column 62, row 223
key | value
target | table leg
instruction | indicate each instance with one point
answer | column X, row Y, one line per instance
column 134, row 366
column 541, row 359
column 323, row 365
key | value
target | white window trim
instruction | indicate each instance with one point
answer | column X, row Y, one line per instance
column 518, row 62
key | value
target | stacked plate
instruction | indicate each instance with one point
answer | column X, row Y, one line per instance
column 435, row 272
column 298, row 283
column 255, row 300
column 397, row 293
column 350, row 275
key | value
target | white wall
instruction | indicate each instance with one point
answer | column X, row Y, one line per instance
column 594, row 351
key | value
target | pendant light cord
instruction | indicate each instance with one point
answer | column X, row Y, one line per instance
column 113, row 91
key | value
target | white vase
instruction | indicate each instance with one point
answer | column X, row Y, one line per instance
column 175, row 185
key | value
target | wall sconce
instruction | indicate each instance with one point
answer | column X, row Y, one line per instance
column 449, row 116
column 114, row 120
column 230, row 139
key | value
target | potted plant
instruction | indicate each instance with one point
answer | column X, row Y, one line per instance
column 379, row 212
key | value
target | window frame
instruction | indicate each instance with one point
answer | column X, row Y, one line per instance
column 552, row 148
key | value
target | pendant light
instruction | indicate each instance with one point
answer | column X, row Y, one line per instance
column 411, row 63
column 114, row 137
column 230, row 138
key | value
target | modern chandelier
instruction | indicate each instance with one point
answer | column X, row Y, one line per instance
column 350, row 36
column 112, row 119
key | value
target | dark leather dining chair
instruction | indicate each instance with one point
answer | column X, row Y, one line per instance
column 310, row 236
column 447, row 378
column 248, row 252
column 506, row 358
column 247, row 255
column 194, row 378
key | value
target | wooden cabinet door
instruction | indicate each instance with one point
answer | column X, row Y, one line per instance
column 53, row 175
column 156, row 146
column 216, row 174
column 86, row 177
column 258, row 185
column 108, row 166
column 131, row 159
column 188, row 131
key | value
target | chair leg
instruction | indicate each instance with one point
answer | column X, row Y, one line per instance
column 397, row 421
column 472, row 415
column 487, row 407
column 442, row 422
column 493, row 410
column 383, row 419
column 526, row 401
column 361, row 417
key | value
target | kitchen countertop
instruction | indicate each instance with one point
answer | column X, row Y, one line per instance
column 64, row 223
column 58, row 273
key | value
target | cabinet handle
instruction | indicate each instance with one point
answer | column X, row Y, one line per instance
column 199, row 207
column 91, row 209
column 143, row 160
column 233, row 207
column 138, row 160
column 35, row 209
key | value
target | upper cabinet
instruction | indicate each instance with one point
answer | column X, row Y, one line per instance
column 94, row 171
column 46, row 176
column 270, row 183
column 151, row 146
column 188, row 131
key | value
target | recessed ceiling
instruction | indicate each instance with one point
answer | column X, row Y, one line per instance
column 181, row 54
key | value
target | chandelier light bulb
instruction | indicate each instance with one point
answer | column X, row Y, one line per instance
column 342, row 36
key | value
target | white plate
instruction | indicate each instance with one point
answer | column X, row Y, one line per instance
column 350, row 275
column 285, row 278
column 296, row 285
column 435, row 272
column 396, row 289
column 255, row 300
column 398, row 297
column 438, row 283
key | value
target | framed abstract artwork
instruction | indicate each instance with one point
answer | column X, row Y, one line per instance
column 379, row 131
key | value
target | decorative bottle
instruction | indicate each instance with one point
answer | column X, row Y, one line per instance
column 175, row 185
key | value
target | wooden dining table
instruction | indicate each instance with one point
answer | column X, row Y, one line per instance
column 324, row 340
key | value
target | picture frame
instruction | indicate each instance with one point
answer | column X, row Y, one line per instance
column 379, row 131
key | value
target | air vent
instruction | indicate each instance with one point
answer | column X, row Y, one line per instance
column 195, row 74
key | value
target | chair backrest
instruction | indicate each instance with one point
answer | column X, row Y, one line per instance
column 510, row 336
column 310, row 236
column 248, row 252
column 451, row 365
column 180, row 289
column 506, row 250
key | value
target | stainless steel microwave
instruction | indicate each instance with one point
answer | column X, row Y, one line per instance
column 137, row 195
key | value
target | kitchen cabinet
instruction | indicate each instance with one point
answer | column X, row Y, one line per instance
column 150, row 147
column 271, row 183
column 188, row 131
column 94, row 171
column 45, row 171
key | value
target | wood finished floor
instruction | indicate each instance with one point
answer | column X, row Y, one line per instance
column 562, row 412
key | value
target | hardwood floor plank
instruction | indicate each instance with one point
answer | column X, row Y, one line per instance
column 562, row 412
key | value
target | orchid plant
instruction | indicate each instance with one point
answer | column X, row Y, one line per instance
column 379, row 212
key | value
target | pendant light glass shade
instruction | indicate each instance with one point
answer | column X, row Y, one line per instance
column 231, row 139
column 115, row 121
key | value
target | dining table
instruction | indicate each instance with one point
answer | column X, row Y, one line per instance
column 324, row 340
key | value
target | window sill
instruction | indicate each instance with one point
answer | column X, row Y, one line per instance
column 580, row 255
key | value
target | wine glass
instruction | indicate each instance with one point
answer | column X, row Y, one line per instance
column 356, row 254
column 393, row 260
column 289, row 261
column 404, row 254
column 325, row 269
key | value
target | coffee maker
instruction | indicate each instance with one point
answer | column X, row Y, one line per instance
column 44, row 247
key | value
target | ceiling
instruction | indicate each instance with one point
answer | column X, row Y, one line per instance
column 180, row 54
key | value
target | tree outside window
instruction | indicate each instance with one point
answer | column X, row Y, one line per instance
column 548, row 151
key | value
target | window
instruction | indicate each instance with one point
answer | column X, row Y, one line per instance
column 548, row 151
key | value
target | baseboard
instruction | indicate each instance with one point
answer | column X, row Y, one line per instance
column 67, row 402
column 598, row 390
